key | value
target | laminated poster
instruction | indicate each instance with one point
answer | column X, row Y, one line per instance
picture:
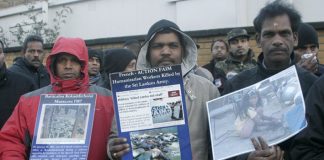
column 273, row 108
column 151, row 113
column 63, row 127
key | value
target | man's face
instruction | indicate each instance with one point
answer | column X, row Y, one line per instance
column 165, row 50
column 219, row 51
column 93, row 66
column 34, row 53
column 306, row 49
column 277, row 40
column 239, row 46
column 2, row 57
column 67, row 67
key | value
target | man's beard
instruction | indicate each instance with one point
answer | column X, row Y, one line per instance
column 238, row 54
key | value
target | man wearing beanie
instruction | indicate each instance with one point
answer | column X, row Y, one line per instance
column 117, row 60
column 307, row 49
column 94, row 67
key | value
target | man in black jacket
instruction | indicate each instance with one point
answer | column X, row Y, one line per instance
column 310, row 143
column 30, row 64
column 219, row 51
column 276, row 34
column 12, row 86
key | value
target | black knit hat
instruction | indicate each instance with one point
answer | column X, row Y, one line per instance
column 95, row 53
column 116, row 60
column 307, row 35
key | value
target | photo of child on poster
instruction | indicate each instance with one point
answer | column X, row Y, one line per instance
column 273, row 108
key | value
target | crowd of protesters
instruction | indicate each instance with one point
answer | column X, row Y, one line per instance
column 74, row 68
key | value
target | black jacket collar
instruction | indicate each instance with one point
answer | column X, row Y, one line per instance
column 23, row 62
column 269, row 72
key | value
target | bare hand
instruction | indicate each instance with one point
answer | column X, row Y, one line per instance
column 118, row 147
column 264, row 152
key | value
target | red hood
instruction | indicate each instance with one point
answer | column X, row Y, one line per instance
column 76, row 47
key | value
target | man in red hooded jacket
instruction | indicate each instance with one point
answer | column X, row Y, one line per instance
column 68, row 68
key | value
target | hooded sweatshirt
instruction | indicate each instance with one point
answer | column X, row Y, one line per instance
column 198, row 90
column 18, row 132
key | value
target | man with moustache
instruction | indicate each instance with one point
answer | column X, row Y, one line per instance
column 219, row 51
column 31, row 64
column 240, row 56
column 276, row 34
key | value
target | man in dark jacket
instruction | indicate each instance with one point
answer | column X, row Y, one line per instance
column 31, row 63
column 219, row 51
column 310, row 143
column 276, row 26
column 12, row 86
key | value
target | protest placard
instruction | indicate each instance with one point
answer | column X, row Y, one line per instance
column 63, row 126
column 273, row 108
column 151, row 113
